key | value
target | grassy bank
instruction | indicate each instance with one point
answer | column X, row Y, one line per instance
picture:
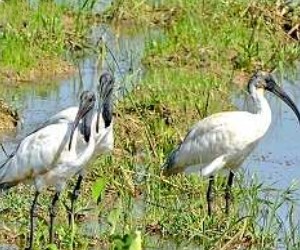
column 206, row 46
column 218, row 37
column 36, row 39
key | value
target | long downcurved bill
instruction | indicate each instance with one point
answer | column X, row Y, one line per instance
column 284, row 97
column 99, row 111
column 80, row 114
column 86, row 130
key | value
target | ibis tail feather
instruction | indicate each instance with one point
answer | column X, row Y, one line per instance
column 169, row 167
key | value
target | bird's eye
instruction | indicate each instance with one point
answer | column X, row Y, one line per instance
column 260, row 84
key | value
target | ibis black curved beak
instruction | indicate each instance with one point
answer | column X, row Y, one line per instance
column 86, row 129
column 99, row 111
column 276, row 90
column 87, row 102
column 81, row 113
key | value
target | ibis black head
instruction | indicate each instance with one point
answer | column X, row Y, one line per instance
column 265, row 81
column 261, row 80
column 105, row 90
column 105, row 80
column 86, row 104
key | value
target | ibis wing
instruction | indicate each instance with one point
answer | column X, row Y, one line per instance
column 66, row 115
column 220, row 134
column 37, row 154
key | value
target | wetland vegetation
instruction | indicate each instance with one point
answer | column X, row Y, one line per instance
column 206, row 49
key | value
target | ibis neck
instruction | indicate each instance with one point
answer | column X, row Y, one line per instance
column 85, row 155
column 263, row 110
column 101, row 127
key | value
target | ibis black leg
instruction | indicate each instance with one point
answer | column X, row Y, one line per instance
column 53, row 212
column 74, row 197
column 228, row 195
column 210, row 195
column 33, row 214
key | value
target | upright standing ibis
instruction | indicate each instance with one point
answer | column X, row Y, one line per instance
column 103, row 119
column 48, row 156
column 225, row 139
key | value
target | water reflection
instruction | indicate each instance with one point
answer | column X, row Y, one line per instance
column 275, row 161
column 36, row 102
column 277, row 156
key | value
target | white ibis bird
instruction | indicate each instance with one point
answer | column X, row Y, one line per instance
column 104, row 118
column 48, row 157
column 225, row 139
column 104, row 126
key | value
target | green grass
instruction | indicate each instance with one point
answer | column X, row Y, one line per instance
column 189, row 75
column 35, row 40
column 222, row 36
column 148, row 124
column 205, row 48
column 153, row 120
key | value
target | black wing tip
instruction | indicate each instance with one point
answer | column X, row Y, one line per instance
column 86, row 137
column 168, row 168
column 70, row 145
column 6, row 185
column 165, row 170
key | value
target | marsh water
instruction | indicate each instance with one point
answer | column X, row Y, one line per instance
column 275, row 162
column 276, row 159
column 37, row 101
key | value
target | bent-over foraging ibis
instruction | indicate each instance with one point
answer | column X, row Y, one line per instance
column 225, row 139
column 48, row 157
column 104, row 126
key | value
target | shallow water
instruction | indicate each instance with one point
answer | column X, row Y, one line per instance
column 37, row 101
column 276, row 160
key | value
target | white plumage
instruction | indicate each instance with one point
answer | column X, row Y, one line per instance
column 104, row 135
column 39, row 156
column 226, row 139
column 104, row 138
column 230, row 136
column 103, row 124
column 48, row 157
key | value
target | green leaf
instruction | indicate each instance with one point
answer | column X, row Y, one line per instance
column 98, row 189
column 136, row 243
column 51, row 247
column 130, row 241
